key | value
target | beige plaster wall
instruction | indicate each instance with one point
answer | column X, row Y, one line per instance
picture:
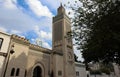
column 18, row 59
column 58, row 65
column 38, row 58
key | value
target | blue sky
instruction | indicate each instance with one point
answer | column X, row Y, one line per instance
column 31, row 19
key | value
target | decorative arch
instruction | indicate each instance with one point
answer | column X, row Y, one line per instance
column 38, row 70
column 70, row 56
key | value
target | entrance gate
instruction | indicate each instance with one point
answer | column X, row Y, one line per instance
column 37, row 72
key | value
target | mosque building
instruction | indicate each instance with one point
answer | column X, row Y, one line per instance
column 20, row 58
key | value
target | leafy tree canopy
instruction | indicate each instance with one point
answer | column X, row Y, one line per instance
column 75, row 58
column 96, row 29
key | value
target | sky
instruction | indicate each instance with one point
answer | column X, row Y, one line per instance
column 31, row 19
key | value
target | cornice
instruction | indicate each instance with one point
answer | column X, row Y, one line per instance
column 57, row 52
column 79, row 64
column 4, row 33
column 38, row 48
column 61, row 16
column 25, row 41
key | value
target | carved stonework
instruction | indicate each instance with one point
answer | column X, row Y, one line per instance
column 58, row 43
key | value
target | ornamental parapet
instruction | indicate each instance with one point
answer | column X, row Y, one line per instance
column 20, row 39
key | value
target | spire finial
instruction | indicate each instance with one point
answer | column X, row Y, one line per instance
column 61, row 9
column 60, row 3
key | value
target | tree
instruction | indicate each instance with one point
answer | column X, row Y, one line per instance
column 75, row 58
column 96, row 29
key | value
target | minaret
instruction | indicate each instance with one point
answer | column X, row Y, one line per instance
column 63, row 50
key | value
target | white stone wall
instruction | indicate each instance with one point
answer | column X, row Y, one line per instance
column 79, row 67
column 4, row 48
column 102, row 75
column 6, row 41
column 116, row 70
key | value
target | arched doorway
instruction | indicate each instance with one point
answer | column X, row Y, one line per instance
column 37, row 72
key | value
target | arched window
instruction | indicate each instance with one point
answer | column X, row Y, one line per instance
column 1, row 41
column 17, row 72
column 12, row 72
column 69, row 56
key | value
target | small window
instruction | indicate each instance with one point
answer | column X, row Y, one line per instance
column 1, row 41
column 25, row 73
column 87, row 75
column 77, row 73
column 17, row 72
column 59, row 73
column 69, row 56
column 12, row 72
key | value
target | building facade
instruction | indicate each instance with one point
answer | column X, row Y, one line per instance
column 20, row 58
column 80, row 70
column 4, row 45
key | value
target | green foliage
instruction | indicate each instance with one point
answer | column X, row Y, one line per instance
column 100, row 71
column 96, row 29
column 75, row 58
column 95, row 72
column 105, row 70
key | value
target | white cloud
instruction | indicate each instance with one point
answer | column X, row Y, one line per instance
column 2, row 29
column 78, row 53
column 15, row 32
column 43, row 34
column 53, row 4
column 15, row 21
column 38, row 8
column 9, row 4
column 46, row 45
column 41, row 42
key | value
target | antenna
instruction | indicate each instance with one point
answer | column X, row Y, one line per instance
column 60, row 1
column 38, row 42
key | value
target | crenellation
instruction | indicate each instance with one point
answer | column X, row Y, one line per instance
column 20, row 39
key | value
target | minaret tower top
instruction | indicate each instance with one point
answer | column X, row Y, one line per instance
column 61, row 9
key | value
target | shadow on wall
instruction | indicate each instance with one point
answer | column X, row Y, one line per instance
column 38, row 62
column 16, row 65
column 19, row 62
